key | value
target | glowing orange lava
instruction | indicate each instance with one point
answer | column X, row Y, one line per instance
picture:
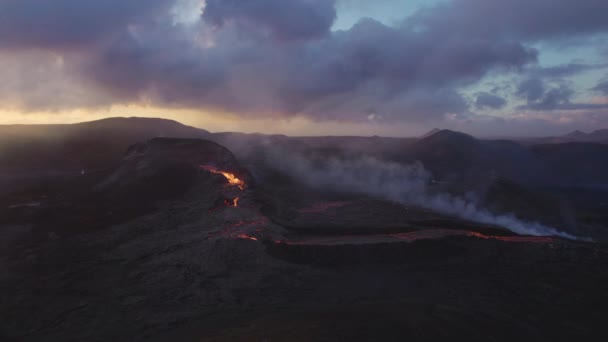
column 232, row 202
column 232, row 179
column 429, row 234
column 534, row 239
column 244, row 236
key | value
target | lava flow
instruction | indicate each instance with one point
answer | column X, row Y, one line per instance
column 230, row 177
column 443, row 233
column 429, row 234
column 243, row 230
column 244, row 236
column 232, row 202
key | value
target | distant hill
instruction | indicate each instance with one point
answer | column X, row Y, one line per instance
column 575, row 135
column 600, row 135
column 429, row 133
column 88, row 145
column 597, row 136
column 528, row 179
column 441, row 137
column 462, row 159
column 580, row 163
column 452, row 157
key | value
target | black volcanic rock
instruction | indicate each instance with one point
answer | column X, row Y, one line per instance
column 150, row 174
column 147, row 158
column 168, row 265
column 165, row 167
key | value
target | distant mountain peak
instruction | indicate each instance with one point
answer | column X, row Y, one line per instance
column 595, row 136
column 576, row 134
column 446, row 136
column 431, row 132
column 162, row 127
column 603, row 133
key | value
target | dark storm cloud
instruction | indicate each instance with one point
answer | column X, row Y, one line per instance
column 553, row 98
column 566, row 70
column 372, row 67
column 601, row 87
column 295, row 19
column 157, row 64
column 279, row 57
column 531, row 89
column 68, row 23
column 554, row 93
column 489, row 101
column 515, row 19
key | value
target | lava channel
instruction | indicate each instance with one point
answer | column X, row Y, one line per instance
column 230, row 177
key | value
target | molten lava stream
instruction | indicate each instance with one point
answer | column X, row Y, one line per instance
column 243, row 230
column 532, row 239
column 230, row 177
column 429, row 234
column 244, row 236
column 232, row 202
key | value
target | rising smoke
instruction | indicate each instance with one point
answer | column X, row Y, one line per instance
column 408, row 184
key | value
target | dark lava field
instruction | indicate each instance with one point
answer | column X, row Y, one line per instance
column 229, row 237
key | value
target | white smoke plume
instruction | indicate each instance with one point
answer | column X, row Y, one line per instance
column 406, row 184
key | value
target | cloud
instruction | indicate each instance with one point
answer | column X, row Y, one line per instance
column 32, row 80
column 294, row 19
column 555, row 98
column 552, row 99
column 531, row 89
column 344, row 75
column 279, row 58
column 601, row 87
column 489, row 101
column 61, row 24
column 565, row 70
column 546, row 89
column 519, row 20
column 229, row 61
column 531, row 123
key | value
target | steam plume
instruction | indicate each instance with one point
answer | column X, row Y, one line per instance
column 406, row 184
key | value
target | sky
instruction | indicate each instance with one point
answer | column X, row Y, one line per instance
column 310, row 67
